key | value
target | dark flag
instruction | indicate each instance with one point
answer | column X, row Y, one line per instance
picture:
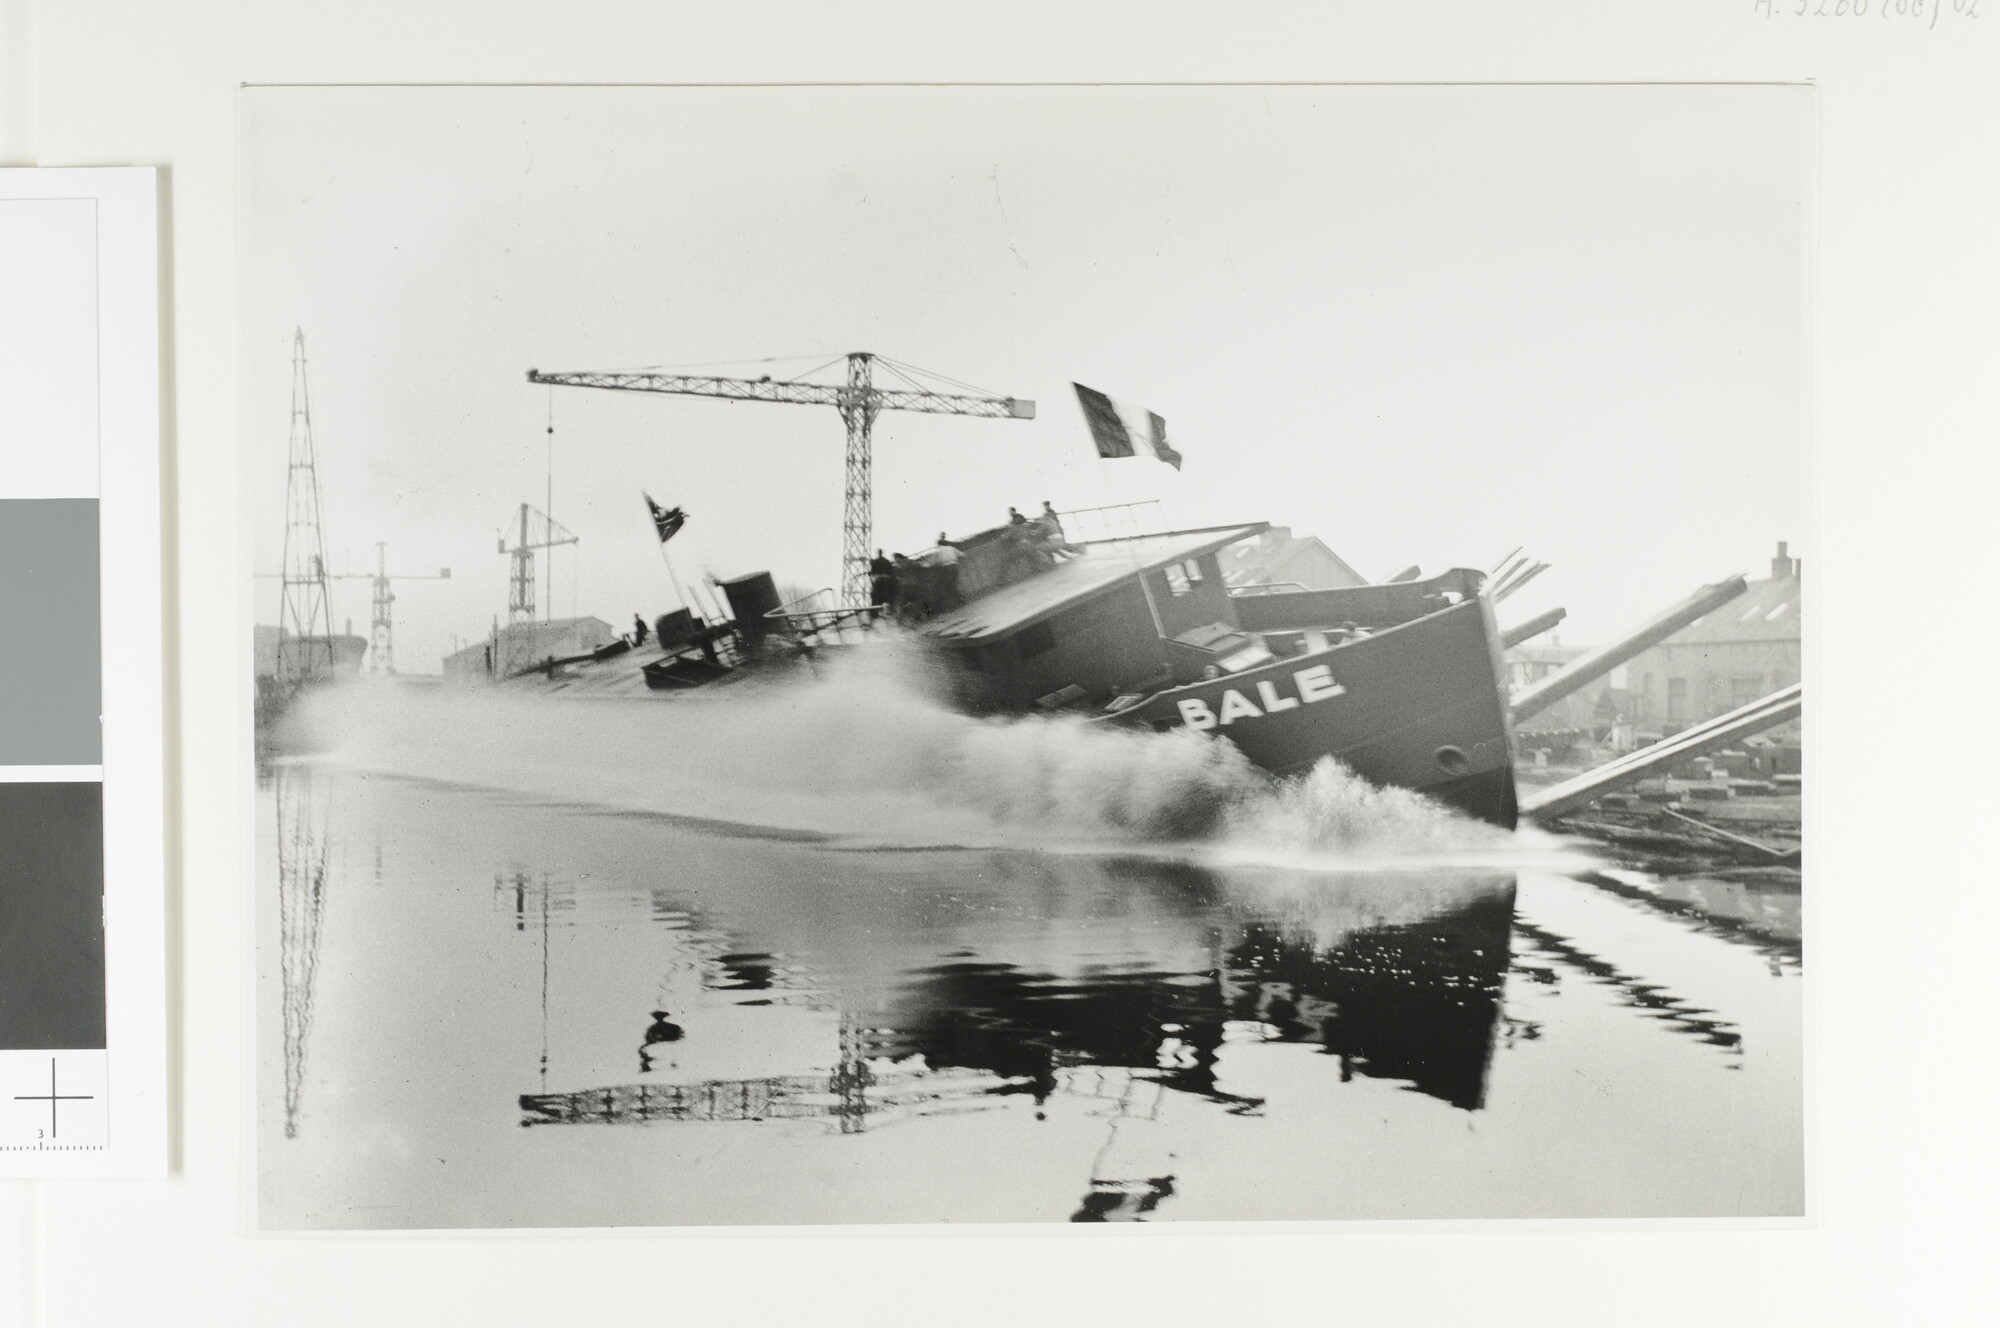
column 667, row 521
column 1121, row 429
column 1107, row 430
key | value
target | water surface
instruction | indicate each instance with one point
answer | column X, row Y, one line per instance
column 481, row 1009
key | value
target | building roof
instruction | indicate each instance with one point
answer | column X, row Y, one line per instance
column 532, row 631
column 1767, row 611
column 1103, row 565
column 1265, row 560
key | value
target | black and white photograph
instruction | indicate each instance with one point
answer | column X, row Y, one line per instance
column 970, row 655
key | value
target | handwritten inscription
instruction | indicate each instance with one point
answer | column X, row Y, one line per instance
column 1923, row 12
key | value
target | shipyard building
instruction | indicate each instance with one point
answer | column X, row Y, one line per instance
column 518, row 646
column 1748, row 648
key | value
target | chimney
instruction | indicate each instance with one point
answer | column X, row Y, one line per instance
column 1783, row 566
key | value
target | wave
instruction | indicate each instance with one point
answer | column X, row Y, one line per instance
column 868, row 754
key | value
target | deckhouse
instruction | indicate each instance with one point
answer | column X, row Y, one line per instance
column 1118, row 617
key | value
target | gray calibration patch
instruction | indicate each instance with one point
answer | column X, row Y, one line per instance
column 50, row 688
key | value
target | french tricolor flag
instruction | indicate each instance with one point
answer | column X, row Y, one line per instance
column 1121, row 429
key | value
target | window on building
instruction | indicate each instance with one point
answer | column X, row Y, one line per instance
column 1182, row 577
column 1677, row 700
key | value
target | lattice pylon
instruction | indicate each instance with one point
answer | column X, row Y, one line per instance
column 306, row 611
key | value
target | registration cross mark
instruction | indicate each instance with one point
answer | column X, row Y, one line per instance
column 52, row 1097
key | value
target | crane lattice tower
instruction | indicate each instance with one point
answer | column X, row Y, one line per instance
column 306, row 610
column 382, row 616
column 539, row 531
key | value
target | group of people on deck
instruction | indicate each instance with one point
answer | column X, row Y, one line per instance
column 1043, row 535
column 916, row 588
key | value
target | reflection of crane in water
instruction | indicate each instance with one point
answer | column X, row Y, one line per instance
column 1111, row 1197
column 303, row 803
column 520, row 889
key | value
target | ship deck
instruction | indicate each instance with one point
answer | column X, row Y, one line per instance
column 1102, row 565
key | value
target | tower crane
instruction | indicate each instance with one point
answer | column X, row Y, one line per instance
column 858, row 400
column 382, row 626
column 539, row 531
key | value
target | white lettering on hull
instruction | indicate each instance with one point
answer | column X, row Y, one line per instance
column 1313, row 685
column 1237, row 706
column 1267, row 692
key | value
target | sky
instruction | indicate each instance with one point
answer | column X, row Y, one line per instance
column 1427, row 325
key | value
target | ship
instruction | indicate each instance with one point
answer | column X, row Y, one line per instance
column 1403, row 683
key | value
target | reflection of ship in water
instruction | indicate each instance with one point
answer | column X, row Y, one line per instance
column 1129, row 993
column 303, row 800
column 1398, row 976
column 1413, row 1001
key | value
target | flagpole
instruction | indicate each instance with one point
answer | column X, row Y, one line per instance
column 678, row 592
column 1101, row 417
column 1132, row 554
column 666, row 525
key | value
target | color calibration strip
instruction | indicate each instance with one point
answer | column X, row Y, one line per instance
column 81, row 908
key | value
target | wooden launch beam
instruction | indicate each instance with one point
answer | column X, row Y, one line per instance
column 1506, row 584
column 1588, row 668
column 1534, row 627
column 1779, row 707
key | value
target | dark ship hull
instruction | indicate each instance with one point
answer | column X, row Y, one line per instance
column 1418, row 705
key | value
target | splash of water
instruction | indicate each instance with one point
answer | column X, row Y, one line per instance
column 866, row 752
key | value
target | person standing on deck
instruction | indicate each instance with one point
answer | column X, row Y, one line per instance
column 638, row 631
column 905, row 600
column 881, row 581
column 1051, row 537
column 946, row 558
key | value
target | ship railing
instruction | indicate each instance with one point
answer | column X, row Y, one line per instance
column 1114, row 521
column 819, row 619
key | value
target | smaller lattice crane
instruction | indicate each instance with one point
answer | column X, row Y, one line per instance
column 539, row 531
column 382, row 622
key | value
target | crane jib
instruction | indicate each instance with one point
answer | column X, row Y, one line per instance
column 858, row 400
column 788, row 392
